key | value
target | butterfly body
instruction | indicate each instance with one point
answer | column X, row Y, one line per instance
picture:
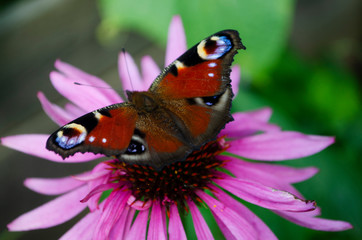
column 186, row 106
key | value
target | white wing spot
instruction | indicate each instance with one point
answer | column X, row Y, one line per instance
column 211, row 74
column 104, row 140
column 212, row 64
column 91, row 138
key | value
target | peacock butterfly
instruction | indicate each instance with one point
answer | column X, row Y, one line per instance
column 185, row 107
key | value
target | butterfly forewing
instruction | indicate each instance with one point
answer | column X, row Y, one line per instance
column 107, row 131
column 196, row 87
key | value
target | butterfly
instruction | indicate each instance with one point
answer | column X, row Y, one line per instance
column 185, row 107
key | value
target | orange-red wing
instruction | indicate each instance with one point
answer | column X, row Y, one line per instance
column 113, row 132
column 107, row 131
column 202, row 71
column 194, row 81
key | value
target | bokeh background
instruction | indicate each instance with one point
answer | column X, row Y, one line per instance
column 303, row 59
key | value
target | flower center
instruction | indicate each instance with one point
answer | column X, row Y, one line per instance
column 175, row 183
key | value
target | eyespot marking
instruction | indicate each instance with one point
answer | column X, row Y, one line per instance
column 214, row 48
column 71, row 135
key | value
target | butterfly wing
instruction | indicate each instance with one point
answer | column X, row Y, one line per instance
column 186, row 106
column 196, row 87
column 120, row 131
column 108, row 131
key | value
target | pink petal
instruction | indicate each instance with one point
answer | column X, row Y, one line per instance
column 202, row 230
column 101, row 87
column 138, row 204
column 120, row 228
column 86, row 97
column 176, row 42
column 112, row 211
column 276, row 146
column 245, row 125
column 255, row 175
column 138, row 229
column 262, row 114
column 100, row 175
column 53, row 213
column 225, row 230
column 235, row 79
column 264, row 196
column 150, row 70
column 311, row 222
column 260, row 227
column 176, row 230
column 84, row 229
column 34, row 144
column 99, row 171
column 128, row 72
column 252, row 170
column 129, row 221
column 99, row 189
column 56, row 113
column 236, row 224
column 74, row 110
column 157, row 227
column 54, row 186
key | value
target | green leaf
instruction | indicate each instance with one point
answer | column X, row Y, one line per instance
column 263, row 25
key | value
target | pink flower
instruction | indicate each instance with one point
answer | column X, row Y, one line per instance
column 185, row 186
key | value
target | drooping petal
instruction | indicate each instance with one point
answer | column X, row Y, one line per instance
column 138, row 204
column 202, row 230
column 138, row 229
column 52, row 213
column 120, row 228
column 277, row 146
column 261, row 229
column 102, row 89
column 52, row 186
column 255, row 170
column 86, row 97
column 235, row 79
column 176, row 230
column 99, row 189
column 99, row 176
column 245, row 125
column 306, row 220
column 128, row 222
column 176, row 41
column 262, row 114
column 74, row 110
column 128, row 72
column 112, row 209
column 264, row 196
column 157, row 227
column 56, row 113
column 150, row 70
column 84, row 229
column 236, row 224
column 34, row 144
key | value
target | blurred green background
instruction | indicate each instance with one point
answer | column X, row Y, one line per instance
column 303, row 59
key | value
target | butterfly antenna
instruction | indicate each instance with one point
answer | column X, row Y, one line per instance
column 89, row 85
column 125, row 61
